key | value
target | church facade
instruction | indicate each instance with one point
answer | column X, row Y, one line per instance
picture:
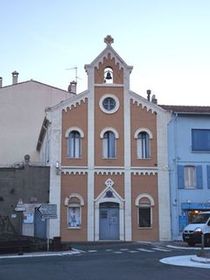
column 107, row 149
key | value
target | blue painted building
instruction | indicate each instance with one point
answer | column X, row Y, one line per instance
column 189, row 164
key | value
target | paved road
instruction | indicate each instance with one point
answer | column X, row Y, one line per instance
column 123, row 262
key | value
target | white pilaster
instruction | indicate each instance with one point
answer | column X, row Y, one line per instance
column 55, row 177
column 90, row 181
column 163, row 178
column 127, row 156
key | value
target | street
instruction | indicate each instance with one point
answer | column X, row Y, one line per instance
column 124, row 261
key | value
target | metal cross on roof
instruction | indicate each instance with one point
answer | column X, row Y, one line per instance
column 108, row 40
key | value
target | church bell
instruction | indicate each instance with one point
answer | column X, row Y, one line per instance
column 108, row 75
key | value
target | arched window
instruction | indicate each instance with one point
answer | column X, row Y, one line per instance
column 74, row 136
column 109, row 145
column 144, row 205
column 74, row 144
column 74, row 203
column 108, row 75
column 143, row 145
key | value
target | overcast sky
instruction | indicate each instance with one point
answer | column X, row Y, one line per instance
column 166, row 41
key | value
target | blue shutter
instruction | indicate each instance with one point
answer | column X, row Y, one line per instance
column 208, row 176
column 180, row 170
column 199, row 177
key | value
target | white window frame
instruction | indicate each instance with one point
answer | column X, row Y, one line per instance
column 105, row 152
column 77, row 147
column 78, row 205
column 190, row 179
column 139, row 206
column 143, row 148
column 117, row 103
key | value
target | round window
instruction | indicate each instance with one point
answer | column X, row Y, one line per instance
column 109, row 104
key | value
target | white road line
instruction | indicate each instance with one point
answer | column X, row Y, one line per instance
column 133, row 252
column 161, row 249
column 92, row 251
column 109, row 250
column 145, row 250
column 117, row 252
column 124, row 249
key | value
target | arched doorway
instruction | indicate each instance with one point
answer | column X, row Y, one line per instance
column 109, row 221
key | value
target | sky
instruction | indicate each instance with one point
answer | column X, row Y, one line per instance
column 166, row 41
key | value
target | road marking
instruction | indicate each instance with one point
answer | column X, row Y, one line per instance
column 109, row 250
column 124, row 249
column 92, row 251
column 117, row 252
column 133, row 252
column 161, row 249
column 145, row 250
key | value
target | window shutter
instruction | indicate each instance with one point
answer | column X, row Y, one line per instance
column 180, row 171
column 208, row 176
column 199, row 177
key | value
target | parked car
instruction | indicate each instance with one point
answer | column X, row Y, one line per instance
column 200, row 225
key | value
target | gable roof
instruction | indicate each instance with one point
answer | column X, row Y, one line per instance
column 182, row 109
column 104, row 53
column 35, row 82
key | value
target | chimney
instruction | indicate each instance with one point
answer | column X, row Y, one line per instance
column 72, row 88
column 1, row 82
column 27, row 160
column 148, row 94
column 15, row 77
column 154, row 99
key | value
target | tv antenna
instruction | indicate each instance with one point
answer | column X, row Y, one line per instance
column 75, row 69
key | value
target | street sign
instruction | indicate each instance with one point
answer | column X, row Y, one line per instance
column 48, row 211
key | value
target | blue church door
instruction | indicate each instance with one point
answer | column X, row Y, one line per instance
column 109, row 221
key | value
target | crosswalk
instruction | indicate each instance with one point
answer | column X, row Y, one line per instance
column 127, row 250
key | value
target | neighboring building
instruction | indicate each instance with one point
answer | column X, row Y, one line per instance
column 22, row 189
column 22, row 109
column 189, row 163
column 107, row 149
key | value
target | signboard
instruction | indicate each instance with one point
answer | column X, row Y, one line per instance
column 28, row 218
column 20, row 207
column 48, row 211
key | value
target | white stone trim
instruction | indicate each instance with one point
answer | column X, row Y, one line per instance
column 73, row 128
column 127, row 155
column 144, row 195
column 109, row 129
column 116, row 100
column 139, row 130
column 55, row 118
column 77, row 195
column 109, row 85
column 91, row 156
column 117, row 199
column 163, row 177
column 74, row 103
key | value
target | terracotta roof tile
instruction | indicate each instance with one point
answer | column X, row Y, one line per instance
column 187, row 109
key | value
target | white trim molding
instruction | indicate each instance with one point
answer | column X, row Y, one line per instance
column 74, row 128
column 114, row 109
column 115, row 198
column 109, row 129
column 77, row 195
column 142, row 195
column 139, row 130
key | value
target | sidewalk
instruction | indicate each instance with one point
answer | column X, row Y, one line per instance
column 190, row 260
column 40, row 254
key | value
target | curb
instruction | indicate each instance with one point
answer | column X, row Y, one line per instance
column 42, row 254
column 200, row 259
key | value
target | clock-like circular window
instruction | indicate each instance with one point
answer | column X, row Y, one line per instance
column 109, row 104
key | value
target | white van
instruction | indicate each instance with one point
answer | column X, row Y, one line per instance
column 200, row 225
